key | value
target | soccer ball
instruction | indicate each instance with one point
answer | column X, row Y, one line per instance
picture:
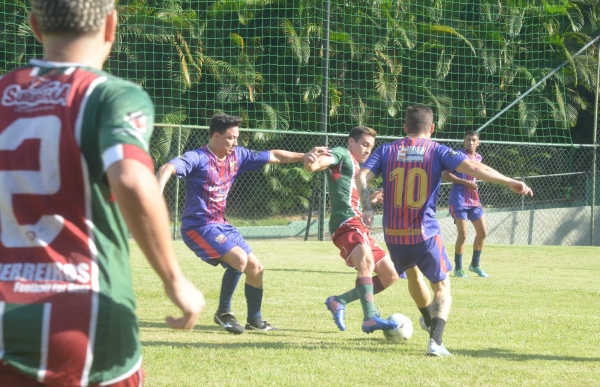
column 403, row 332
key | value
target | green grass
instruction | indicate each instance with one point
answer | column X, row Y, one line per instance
column 534, row 322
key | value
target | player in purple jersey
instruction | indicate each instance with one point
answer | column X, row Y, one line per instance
column 412, row 171
column 465, row 205
column 209, row 173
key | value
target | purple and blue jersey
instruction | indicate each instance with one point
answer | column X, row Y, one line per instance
column 412, row 172
column 462, row 196
column 208, row 181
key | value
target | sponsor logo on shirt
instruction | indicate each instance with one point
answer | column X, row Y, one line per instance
column 453, row 153
column 137, row 120
column 411, row 153
column 54, row 277
column 220, row 239
column 53, row 93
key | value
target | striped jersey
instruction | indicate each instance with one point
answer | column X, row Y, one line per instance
column 343, row 194
column 412, row 172
column 66, row 298
column 462, row 196
column 208, row 180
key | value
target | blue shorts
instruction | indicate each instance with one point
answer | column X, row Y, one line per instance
column 429, row 256
column 471, row 213
column 212, row 241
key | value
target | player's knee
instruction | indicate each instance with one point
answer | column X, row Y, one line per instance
column 461, row 239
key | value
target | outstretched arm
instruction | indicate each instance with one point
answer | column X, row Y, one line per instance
column 279, row 156
column 362, row 184
column 483, row 172
column 164, row 174
column 452, row 178
column 320, row 163
column 145, row 212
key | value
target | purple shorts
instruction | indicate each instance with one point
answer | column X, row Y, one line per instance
column 429, row 256
column 471, row 213
column 212, row 241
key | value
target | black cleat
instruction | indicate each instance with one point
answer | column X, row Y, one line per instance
column 228, row 321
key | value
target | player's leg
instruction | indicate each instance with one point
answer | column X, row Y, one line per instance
column 386, row 273
column 419, row 292
column 433, row 262
column 210, row 243
column 478, row 219
column 459, row 246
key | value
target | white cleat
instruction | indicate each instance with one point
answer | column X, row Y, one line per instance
column 437, row 350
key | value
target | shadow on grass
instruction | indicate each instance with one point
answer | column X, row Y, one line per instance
column 314, row 271
column 512, row 356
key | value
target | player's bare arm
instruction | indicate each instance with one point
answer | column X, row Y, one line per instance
column 452, row 178
column 362, row 184
column 319, row 163
column 279, row 156
column 377, row 196
column 145, row 212
column 164, row 174
column 483, row 172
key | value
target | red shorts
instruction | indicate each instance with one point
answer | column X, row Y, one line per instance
column 351, row 234
column 10, row 377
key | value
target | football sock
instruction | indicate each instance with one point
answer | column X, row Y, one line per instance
column 364, row 285
column 476, row 258
column 426, row 312
column 254, row 300
column 437, row 329
column 458, row 261
column 348, row 297
column 228, row 285
column 377, row 285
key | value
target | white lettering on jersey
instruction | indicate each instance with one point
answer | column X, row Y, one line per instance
column 54, row 93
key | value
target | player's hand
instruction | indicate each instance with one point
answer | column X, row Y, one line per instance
column 187, row 298
column 471, row 184
column 314, row 154
column 377, row 196
column 367, row 218
column 520, row 188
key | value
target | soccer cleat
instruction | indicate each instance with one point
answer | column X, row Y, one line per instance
column 260, row 326
column 437, row 350
column 228, row 321
column 376, row 322
column 477, row 270
column 460, row 273
column 424, row 326
column 338, row 311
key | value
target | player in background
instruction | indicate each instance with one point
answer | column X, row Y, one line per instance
column 74, row 174
column 209, row 173
column 354, row 241
column 465, row 205
column 412, row 171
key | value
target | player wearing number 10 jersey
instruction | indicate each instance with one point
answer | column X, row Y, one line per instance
column 412, row 171
column 74, row 173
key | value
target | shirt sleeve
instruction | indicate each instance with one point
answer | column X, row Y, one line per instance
column 336, row 155
column 449, row 158
column 251, row 160
column 126, row 122
column 373, row 163
column 185, row 163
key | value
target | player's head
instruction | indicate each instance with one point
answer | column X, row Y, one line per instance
column 224, row 131
column 471, row 141
column 56, row 22
column 361, row 141
column 419, row 120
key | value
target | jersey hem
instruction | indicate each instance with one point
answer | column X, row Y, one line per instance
column 126, row 375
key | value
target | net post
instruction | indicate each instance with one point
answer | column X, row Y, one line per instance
column 323, row 201
column 176, row 217
column 594, row 155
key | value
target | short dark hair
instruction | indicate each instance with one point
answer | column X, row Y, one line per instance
column 472, row 133
column 71, row 16
column 418, row 119
column 358, row 131
column 219, row 123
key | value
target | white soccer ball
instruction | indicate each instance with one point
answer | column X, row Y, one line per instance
column 403, row 332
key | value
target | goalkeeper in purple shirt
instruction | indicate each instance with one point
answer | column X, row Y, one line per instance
column 209, row 173
column 465, row 206
column 412, row 172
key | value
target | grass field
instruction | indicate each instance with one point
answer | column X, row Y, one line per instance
column 534, row 322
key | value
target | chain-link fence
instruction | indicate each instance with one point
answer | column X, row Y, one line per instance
column 285, row 201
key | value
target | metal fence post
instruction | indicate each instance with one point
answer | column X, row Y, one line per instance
column 323, row 201
column 594, row 157
column 176, row 217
